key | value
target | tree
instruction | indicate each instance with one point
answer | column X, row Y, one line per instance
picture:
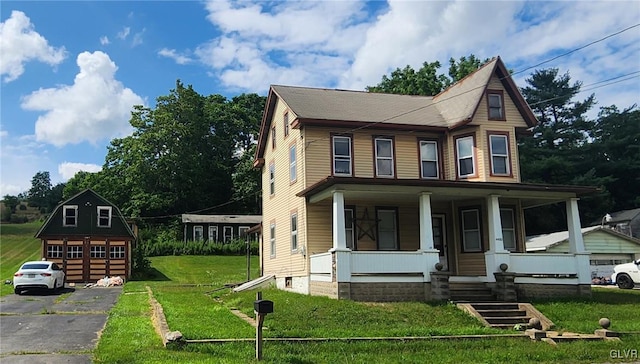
column 11, row 202
column 80, row 182
column 464, row 67
column 38, row 194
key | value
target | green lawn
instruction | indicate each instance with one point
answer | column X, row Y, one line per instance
column 17, row 245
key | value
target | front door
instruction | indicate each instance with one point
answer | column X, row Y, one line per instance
column 439, row 240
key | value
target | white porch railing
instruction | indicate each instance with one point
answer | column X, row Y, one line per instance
column 552, row 268
column 321, row 267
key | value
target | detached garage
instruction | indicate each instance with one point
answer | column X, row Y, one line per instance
column 606, row 246
column 88, row 236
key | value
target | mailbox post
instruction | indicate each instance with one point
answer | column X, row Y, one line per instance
column 261, row 308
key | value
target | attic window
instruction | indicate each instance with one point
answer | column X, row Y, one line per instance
column 104, row 216
column 286, row 124
column 70, row 215
column 495, row 105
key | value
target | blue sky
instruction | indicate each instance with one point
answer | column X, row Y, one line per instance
column 71, row 71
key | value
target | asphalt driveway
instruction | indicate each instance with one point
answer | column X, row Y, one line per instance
column 36, row 326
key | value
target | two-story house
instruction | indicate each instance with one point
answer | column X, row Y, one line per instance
column 381, row 197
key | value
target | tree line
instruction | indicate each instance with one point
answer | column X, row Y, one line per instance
column 194, row 153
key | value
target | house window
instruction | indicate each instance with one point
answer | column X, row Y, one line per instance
column 499, row 154
column 272, row 179
column 384, row 157
column 272, row 240
column 54, row 251
column 292, row 164
column 197, row 233
column 429, row 159
column 228, row 233
column 104, row 216
column 213, row 234
column 74, row 252
column 508, row 229
column 286, row 124
column 387, row 229
column 98, row 251
column 495, row 105
column 70, row 215
column 294, row 231
column 342, row 156
column 116, row 252
column 471, row 238
column 466, row 163
column 273, row 137
column 242, row 231
column 348, row 228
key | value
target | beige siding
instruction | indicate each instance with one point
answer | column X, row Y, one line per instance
column 601, row 243
column 319, row 224
column 471, row 264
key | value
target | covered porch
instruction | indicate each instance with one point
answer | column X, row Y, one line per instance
column 434, row 246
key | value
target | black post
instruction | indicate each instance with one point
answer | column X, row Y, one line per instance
column 260, row 320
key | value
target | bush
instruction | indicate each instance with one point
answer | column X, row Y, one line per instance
column 22, row 207
column 175, row 247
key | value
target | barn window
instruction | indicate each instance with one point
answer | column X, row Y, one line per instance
column 116, row 252
column 54, row 251
column 197, row 233
column 74, row 252
column 70, row 215
column 228, row 233
column 104, row 216
column 98, row 251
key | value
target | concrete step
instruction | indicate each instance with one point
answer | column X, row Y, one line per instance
column 507, row 320
column 502, row 313
column 495, row 306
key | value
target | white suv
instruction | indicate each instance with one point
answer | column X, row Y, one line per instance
column 627, row 275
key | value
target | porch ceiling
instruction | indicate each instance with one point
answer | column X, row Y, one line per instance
column 406, row 191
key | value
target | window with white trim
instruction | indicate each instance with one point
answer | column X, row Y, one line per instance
column 70, row 215
column 213, row 234
column 496, row 109
column 272, row 240
column 471, row 236
column 98, row 251
column 198, row 233
column 499, row 154
column 273, row 137
column 228, row 233
column 341, row 155
column 429, row 159
column 272, row 179
column 242, row 231
column 116, row 252
column 384, row 157
column 508, row 229
column 348, row 228
column 104, row 216
column 466, row 159
column 286, row 123
column 54, row 251
column 294, row 231
column 74, row 251
column 292, row 164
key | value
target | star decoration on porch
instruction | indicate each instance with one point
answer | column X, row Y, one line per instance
column 366, row 225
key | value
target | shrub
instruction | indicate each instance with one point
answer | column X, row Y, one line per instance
column 161, row 247
column 22, row 207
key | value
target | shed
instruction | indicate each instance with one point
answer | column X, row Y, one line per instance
column 217, row 228
column 88, row 236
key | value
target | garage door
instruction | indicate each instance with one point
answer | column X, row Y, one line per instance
column 602, row 264
column 88, row 261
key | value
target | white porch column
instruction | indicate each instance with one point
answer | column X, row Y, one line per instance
column 496, row 255
column 339, row 233
column 576, row 242
column 426, row 226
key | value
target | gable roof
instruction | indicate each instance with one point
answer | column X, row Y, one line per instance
column 624, row 216
column 450, row 109
column 221, row 219
column 545, row 241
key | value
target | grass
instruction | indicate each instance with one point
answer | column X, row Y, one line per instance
column 17, row 245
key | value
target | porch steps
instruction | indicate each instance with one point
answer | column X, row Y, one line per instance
column 470, row 292
column 505, row 315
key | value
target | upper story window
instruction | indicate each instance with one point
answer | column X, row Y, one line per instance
column 292, row 164
column 104, row 216
column 471, row 235
column 384, row 157
column 286, row 124
column 70, row 215
column 273, row 137
column 342, row 159
column 429, row 159
column 499, row 145
column 466, row 156
column 272, row 178
column 508, row 229
column 495, row 105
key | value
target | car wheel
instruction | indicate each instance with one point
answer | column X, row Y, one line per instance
column 17, row 291
column 55, row 284
column 624, row 281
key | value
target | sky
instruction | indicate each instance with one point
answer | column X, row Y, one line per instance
column 71, row 71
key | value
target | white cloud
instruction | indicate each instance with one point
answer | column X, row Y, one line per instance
column 20, row 43
column 104, row 40
column 173, row 54
column 4, row 133
column 68, row 169
column 137, row 38
column 124, row 33
column 95, row 107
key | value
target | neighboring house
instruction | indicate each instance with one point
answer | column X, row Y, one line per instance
column 626, row 222
column 364, row 193
column 607, row 247
column 88, row 236
column 217, row 228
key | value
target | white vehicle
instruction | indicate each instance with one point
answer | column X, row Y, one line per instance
column 627, row 275
column 38, row 275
